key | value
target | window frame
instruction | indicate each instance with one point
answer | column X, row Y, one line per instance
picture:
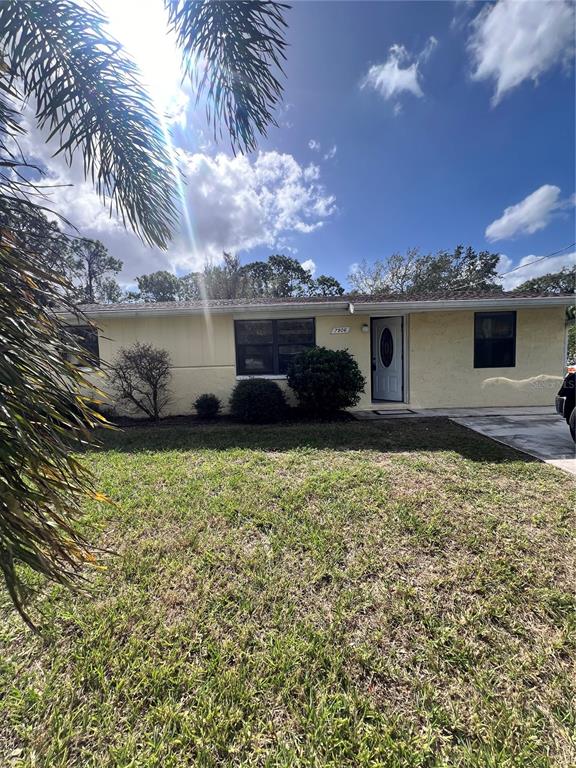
column 274, row 344
column 478, row 317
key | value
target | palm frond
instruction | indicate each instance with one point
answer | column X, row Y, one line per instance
column 43, row 416
column 89, row 98
column 230, row 50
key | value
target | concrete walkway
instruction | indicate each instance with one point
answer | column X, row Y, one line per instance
column 546, row 437
column 403, row 411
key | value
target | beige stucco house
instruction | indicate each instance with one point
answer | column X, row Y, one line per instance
column 459, row 351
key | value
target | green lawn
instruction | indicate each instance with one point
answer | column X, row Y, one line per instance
column 352, row 594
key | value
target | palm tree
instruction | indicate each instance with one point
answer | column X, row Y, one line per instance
column 58, row 55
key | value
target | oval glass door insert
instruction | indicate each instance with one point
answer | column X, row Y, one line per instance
column 386, row 347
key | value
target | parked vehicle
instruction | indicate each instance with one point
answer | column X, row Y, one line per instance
column 565, row 401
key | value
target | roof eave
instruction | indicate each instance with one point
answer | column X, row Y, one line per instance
column 154, row 311
column 423, row 305
column 338, row 307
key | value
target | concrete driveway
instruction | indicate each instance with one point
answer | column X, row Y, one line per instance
column 545, row 436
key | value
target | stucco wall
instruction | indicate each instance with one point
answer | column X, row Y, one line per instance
column 442, row 372
column 356, row 342
column 440, row 361
column 201, row 350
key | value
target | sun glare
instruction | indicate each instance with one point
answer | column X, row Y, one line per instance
column 153, row 47
column 142, row 28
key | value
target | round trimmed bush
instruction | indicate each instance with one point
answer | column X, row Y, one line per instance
column 325, row 380
column 207, row 406
column 257, row 401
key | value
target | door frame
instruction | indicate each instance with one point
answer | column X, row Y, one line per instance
column 404, row 336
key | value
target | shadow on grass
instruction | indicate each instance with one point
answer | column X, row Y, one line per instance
column 383, row 436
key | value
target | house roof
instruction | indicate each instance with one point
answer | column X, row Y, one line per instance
column 331, row 304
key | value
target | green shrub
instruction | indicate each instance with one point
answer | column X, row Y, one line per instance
column 325, row 380
column 256, row 401
column 207, row 406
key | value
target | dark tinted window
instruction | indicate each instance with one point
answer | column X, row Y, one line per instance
column 495, row 339
column 254, row 332
column 296, row 331
column 87, row 336
column 255, row 359
column 267, row 346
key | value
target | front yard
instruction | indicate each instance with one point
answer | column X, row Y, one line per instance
column 352, row 594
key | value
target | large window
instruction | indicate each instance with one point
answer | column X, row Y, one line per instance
column 265, row 347
column 494, row 339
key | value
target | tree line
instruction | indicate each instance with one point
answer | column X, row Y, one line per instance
column 92, row 274
column 462, row 270
column 279, row 277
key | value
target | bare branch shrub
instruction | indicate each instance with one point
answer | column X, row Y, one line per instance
column 141, row 375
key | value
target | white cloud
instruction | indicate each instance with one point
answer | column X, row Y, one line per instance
column 282, row 113
column 239, row 203
column 514, row 41
column 400, row 72
column 532, row 268
column 528, row 216
column 462, row 11
column 310, row 266
column 428, row 49
column 234, row 204
column 397, row 109
column 390, row 79
column 331, row 153
column 311, row 172
column 316, row 146
column 176, row 112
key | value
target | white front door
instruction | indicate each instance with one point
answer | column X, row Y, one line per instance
column 387, row 359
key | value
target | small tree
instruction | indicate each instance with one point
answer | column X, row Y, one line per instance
column 93, row 266
column 280, row 276
column 228, row 280
column 158, row 286
column 110, row 291
column 140, row 375
column 325, row 285
column 325, row 380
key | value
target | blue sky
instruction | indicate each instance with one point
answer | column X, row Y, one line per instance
column 442, row 170
column 404, row 124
